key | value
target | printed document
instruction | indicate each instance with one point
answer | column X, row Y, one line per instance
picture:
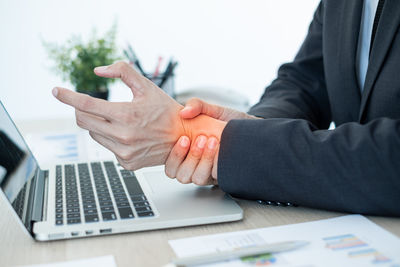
column 351, row 240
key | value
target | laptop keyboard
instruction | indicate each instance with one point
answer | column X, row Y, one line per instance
column 71, row 195
column 107, row 209
column 139, row 200
column 88, row 200
column 59, row 197
column 118, row 191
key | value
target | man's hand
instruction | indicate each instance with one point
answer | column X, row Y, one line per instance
column 198, row 163
column 196, row 106
column 141, row 132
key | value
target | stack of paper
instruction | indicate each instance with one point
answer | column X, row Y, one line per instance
column 344, row 241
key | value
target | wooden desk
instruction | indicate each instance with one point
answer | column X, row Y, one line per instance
column 142, row 248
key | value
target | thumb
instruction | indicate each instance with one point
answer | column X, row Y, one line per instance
column 193, row 108
column 126, row 73
column 196, row 106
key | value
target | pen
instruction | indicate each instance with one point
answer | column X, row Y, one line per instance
column 238, row 253
column 157, row 70
column 168, row 72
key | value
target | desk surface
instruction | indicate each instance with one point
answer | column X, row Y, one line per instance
column 142, row 248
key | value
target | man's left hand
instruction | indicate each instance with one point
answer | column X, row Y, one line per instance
column 141, row 132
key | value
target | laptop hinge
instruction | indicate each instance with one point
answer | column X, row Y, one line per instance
column 37, row 210
column 36, row 198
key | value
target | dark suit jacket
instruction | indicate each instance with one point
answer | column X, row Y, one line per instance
column 290, row 156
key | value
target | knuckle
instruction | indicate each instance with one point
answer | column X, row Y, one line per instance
column 169, row 173
column 177, row 153
column 195, row 153
column 194, row 100
column 125, row 138
column 79, row 123
column 85, row 103
column 131, row 167
column 124, row 155
column 199, row 180
column 208, row 156
column 122, row 65
column 201, row 176
column 210, row 150
column 122, row 163
column 79, row 120
column 126, row 164
column 183, row 179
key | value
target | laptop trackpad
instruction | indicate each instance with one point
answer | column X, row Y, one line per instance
column 160, row 183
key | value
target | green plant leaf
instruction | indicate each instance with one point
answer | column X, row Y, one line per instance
column 76, row 59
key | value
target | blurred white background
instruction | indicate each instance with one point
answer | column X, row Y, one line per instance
column 236, row 44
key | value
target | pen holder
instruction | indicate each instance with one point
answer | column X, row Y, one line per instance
column 168, row 85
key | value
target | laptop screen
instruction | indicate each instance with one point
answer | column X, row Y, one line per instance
column 17, row 164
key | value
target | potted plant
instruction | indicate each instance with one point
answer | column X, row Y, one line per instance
column 76, row 59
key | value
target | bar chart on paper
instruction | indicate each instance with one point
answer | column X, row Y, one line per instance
column 350, row 240
column 353, row 247
column 260, row 260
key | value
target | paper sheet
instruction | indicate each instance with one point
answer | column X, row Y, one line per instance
column 104, row 261
column 351, row 240
column 63, row 147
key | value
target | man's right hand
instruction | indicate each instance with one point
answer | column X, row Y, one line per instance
column 198, row 162
column 196, row 106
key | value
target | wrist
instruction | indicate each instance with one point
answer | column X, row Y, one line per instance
column 203, row 125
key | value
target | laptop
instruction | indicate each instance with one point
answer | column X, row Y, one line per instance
column 99, row 198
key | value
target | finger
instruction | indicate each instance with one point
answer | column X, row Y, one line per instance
column 126, row 73
column 83, row 102
column 176, row 156
column 122, row 153
column 214, row 172
column 202, row 174
column 192, row 108
column 119, row 150
column 128, row 165
column 93, row 123
column 196, row 106
column 187, row 168
column 104, row 141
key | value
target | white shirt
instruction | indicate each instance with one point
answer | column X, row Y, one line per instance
column 364, row 40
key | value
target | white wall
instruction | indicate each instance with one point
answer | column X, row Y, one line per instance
column 237, row 44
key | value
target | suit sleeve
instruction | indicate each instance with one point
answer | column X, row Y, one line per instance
column 291, row 157
column 299, row 91
column 353, row 168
